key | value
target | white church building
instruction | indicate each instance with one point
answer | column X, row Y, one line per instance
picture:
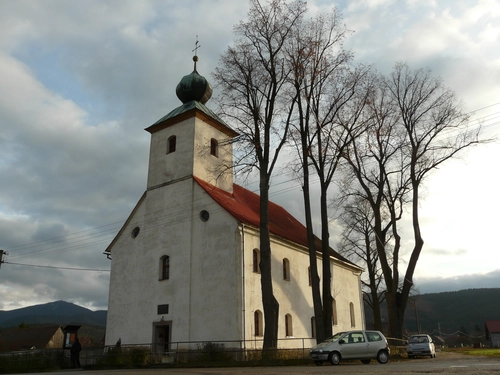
column 184, row 266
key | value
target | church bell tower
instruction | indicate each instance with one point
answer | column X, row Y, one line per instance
column 191, row 140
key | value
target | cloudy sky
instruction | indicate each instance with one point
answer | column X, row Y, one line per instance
column 80, row 80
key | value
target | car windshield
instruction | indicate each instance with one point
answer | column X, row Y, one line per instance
column 336, row 337
column 418, row 339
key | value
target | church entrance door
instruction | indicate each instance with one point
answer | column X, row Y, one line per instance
column 162, row 335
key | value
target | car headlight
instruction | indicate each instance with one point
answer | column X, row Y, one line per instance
column 321, row 350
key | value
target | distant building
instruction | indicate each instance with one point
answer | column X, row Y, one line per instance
column 30, row 338
column 492, row 332
column 185, row 265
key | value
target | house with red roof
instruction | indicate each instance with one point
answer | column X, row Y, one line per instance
column 492, row 332
column 30, row 338
column 185, row 264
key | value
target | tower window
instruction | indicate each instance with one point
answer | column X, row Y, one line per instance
column 214, row 147
column 164, row 267
column 171, row 144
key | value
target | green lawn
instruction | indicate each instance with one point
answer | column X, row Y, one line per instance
column 483, row 352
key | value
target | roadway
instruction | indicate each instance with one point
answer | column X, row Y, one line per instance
column 444, row 363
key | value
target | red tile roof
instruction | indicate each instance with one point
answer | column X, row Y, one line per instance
column 31, row 337
column 493, row 326
column 244, row 205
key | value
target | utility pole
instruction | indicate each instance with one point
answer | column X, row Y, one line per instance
column 416, row 315
column 2, row 252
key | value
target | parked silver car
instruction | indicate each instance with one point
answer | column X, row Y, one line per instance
column 421, row 345
column 363, row 345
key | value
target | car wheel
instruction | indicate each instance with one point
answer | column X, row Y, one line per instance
column 334, row 358
column 366, row 361
column 319, row 363
column 382, row 357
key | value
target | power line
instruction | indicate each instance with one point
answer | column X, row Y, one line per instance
column 456, row 333
column 59, row 268
column 79, row 240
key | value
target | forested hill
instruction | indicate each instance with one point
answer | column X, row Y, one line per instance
column 59, row 312
column 464, row 310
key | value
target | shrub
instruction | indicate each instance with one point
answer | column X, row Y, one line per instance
column 112, row 357
column 138, row 356
column 212, row 351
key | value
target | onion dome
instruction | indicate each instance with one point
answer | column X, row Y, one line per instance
column 194, row 87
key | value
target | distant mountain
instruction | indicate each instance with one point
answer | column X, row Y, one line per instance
column 59, row 312
column 464, row 310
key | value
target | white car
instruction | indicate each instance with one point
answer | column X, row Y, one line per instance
column 363, row 345
column 421, row 345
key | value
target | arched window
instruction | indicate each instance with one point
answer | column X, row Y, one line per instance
column 286, row 269
column 164, row 267
column 171, row 144
column 257, row 321
column 256, row 261
column 353, row 318
column 288, row 325
column 214, row 147
column 334, row 312
column 313, row 327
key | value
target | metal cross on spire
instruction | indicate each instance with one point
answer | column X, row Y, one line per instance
column 196, row 46
column 195, row 50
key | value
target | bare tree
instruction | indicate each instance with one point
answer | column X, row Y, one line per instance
column 254, row 85
column 336, row 123
column 315, row 56
column 358, row 244
column 330, row 95
column 436, row 130
column 416, row 125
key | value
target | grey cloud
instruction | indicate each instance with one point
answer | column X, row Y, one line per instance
column 473, row 281
column 74, row 160
column 446, row 252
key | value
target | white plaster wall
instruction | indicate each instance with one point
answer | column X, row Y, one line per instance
column 192, row 155
column 204, row 288
column 295, row 296
column 216, row 277
column 165, row 167
column 135, row 288
column 346, row 289
column 214, row 170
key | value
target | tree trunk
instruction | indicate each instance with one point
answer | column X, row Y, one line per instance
column 327, row 274
column 377, row 316
column 402, row 297
column 313, row 263
column 269, row 302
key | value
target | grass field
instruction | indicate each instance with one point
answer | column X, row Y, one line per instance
column 483, row 352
